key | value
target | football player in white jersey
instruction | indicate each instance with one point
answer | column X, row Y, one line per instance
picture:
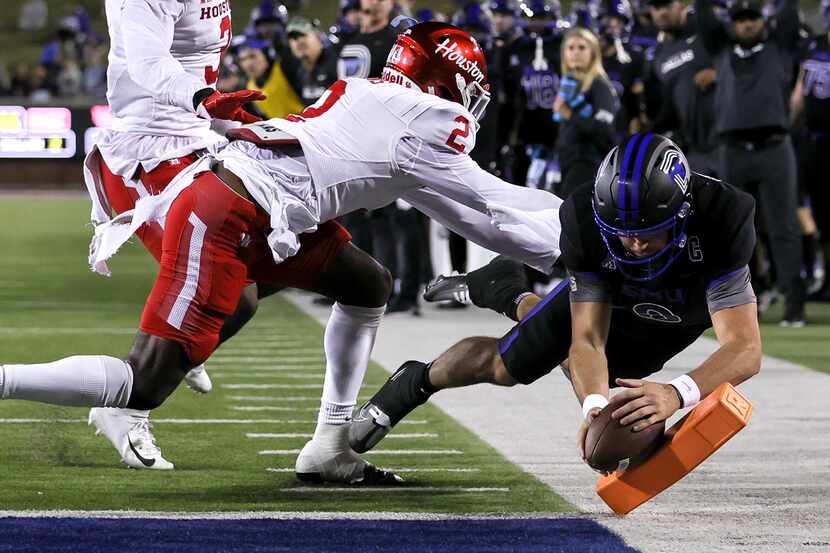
column 163, row 66
column 364, row 144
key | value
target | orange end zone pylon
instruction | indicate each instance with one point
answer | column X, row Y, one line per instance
column 692, row 439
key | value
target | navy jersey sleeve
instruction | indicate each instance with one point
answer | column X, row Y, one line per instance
column 732, row 227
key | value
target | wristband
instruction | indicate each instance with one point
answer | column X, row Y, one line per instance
column 688, row 390
column 591, row 401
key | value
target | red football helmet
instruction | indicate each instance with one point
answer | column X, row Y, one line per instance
column 441, row 59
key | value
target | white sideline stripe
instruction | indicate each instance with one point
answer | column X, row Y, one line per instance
column 188, row 421
column 279, row 399
column 281, row 515
column 376, row 452
column 309, row 435
column 396, row 489
column 390, row 469
column 191, row 282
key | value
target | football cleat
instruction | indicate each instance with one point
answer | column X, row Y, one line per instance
column 398, row 397
column 448, row 288
column 198, row 380
column 327, row 457
column 132, row 437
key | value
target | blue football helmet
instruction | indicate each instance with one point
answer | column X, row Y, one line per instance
column 642, row 189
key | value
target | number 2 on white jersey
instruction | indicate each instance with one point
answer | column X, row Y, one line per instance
column 463, row 132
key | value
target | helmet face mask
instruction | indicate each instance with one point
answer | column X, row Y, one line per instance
column 642, row 190
column 441, row 59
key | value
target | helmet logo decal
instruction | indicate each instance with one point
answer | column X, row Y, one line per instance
column 675, row 169
column 451, row 53
column 395, row 54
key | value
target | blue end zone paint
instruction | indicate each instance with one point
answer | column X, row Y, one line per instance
column 306, row 536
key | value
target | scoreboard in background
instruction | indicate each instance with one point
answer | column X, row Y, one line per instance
column 50, row 131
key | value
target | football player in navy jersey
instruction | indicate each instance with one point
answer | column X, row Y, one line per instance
column 622, row 64
column 656, row 254
column 535, row 65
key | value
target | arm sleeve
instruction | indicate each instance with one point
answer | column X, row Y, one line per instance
column 730, row 290
column 600, row 125
column 589, row 287
column 479, row 228
column 147, row 41
column 709, row 27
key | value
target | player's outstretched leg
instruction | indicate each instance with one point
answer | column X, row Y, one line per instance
column 406, row 389
column 361, row 287
column 473, row 360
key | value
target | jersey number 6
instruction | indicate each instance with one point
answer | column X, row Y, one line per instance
column 463, row 132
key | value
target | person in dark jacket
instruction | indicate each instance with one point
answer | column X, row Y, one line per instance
column 754, row 64
column 585, row 107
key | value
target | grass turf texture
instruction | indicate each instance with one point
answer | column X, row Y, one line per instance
column 45, row 284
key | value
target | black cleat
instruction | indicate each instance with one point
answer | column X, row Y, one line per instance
column 399, row 396
column 446, row 288
column 373, row 476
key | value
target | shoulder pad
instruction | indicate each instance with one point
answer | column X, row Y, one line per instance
column 262, row 133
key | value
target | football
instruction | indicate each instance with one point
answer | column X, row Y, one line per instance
column 610, row 447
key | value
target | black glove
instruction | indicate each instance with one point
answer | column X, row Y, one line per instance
column 497, row 285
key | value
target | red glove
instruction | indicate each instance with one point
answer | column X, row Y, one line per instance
column 219, row 105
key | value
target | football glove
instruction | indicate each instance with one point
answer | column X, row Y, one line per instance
column 228, row 106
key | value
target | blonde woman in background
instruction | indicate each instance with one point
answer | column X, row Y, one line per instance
column 585, row 108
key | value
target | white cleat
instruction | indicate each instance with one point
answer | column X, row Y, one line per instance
column 132, row 437
column 198, row 380
column 327, row 457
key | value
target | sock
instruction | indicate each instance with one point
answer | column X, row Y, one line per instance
column 349, row 339
column 81, row 380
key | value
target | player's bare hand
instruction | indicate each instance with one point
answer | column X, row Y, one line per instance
column 646, row 403
column 583, row 431
column 229, row 106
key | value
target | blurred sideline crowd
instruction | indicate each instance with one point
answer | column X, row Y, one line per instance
column 743, row 86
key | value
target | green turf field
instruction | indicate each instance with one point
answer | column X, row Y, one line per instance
column 51, row 306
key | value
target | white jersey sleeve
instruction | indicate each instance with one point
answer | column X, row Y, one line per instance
column 148, row 31
column 436, row 156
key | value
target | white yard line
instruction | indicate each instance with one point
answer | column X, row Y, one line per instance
column 277, row 515
column 384, row 490
column 396, row 470
column 376, row 452
column 409, row 436
column 271, row 408
column 316, row 375
column 279, row 399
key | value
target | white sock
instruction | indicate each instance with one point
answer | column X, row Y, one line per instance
column 349, row 339
column 80, row 380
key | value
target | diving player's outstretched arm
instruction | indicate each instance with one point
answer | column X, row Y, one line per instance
column 437, row 157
